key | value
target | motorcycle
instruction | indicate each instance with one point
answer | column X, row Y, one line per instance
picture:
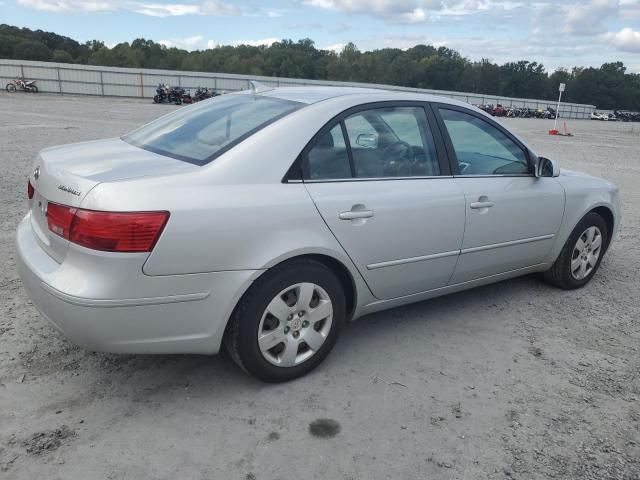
column 24, row 85
column 204, row 94
column 165, row 94
column 498, row 111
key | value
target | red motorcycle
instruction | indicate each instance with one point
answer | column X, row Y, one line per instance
column 499, row 111
column 22, row 84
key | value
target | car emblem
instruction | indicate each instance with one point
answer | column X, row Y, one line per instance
column 36, row 173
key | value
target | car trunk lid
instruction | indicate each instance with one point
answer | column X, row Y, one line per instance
column 66, row 174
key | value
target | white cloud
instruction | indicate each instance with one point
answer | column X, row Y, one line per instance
column 165, row 10
column 416, row 11
column 187, row 43
column 627, row 40
column 336, row 47
column 68, row 5
column 589, row 18
column 152, row 9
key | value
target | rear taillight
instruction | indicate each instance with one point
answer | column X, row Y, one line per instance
column 59, row 219
column 30, row 190
column 107, row 231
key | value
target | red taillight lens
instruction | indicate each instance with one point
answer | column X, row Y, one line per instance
column 108, row 231
column 118, row 232
column 59, row 218
column 30, row 190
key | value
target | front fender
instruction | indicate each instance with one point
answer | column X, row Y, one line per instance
column 584, row 194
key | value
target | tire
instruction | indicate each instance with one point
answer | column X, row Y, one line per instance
column 178, row 101
column 285, row 354
column 34, row 89
column 568, row 271
column 156, row 99
column 11, row 88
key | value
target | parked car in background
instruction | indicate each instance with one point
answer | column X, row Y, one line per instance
column 263, row 220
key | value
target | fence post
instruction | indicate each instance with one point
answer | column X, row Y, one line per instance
column 22, row 71
column 59, row 82
column 101, row 83
column 141, row 86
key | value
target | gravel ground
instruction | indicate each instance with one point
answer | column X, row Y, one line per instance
column 512, row 380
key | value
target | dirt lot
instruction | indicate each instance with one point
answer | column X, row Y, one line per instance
column 514, row 380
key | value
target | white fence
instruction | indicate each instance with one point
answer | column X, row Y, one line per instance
column 64, row 78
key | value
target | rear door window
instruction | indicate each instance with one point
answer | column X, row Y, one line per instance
column 382, row 142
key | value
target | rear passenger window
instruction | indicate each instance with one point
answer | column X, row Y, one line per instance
column 382, row 142
column 329, row 159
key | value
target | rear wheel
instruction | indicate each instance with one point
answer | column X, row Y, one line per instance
column 288, row 321
column 11, row 87
column 581, row 255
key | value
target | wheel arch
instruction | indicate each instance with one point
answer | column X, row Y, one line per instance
column 336, row 265
column 607, row 215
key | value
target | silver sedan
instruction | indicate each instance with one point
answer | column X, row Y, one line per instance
column 264, row 220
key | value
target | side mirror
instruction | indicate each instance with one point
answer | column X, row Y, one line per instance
column 547, row 168
column 367, row 140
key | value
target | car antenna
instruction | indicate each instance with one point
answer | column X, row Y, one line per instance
column 257, row 87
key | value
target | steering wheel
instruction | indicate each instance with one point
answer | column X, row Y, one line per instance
column 397, row 151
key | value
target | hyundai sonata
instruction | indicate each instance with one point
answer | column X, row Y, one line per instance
column 265, row 219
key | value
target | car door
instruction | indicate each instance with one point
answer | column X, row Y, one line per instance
column 512, row 217
column 383, row 186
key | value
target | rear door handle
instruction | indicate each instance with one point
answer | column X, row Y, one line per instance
column 355, row 214
column 477, row 205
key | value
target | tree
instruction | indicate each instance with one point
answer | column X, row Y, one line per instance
column 60, row 56
column 31, row 50
column 423, row 66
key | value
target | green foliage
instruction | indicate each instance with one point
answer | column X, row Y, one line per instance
column 422, row 66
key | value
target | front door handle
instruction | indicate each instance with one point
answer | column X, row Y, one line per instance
column 355, row 214
column 478, row 205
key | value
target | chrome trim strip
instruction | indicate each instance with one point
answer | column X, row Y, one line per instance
column 123, row 302
column 500, row 175
column 375, row 179
column 506, row 244
column 403, row 261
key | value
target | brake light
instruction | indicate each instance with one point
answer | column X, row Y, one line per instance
column 107, row 231
column 30, row 190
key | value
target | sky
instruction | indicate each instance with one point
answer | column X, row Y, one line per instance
column 556, row 33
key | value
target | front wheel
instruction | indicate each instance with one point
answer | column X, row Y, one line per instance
column 11, row 88
column 287, row 322
column 581, row 255
column 33, row 89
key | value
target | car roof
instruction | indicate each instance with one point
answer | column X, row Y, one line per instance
column 312, row 94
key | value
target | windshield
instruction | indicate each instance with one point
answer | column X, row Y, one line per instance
column 199, row 133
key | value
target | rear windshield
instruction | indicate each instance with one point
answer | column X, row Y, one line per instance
column 199, row 133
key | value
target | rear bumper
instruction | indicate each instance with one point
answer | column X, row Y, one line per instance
column 106, row 303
